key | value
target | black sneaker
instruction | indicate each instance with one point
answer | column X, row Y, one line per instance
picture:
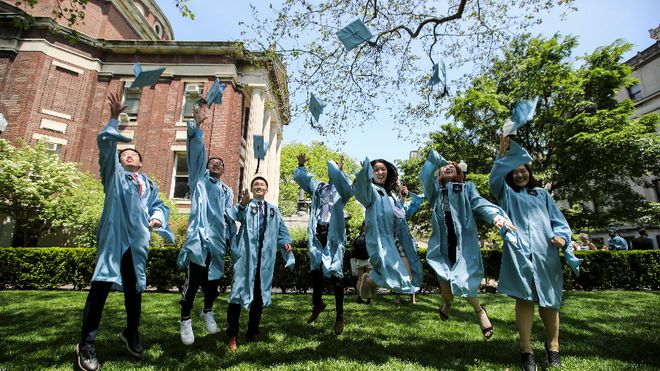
column 554, row 359
column 132, row 343
column 527, row 362
column 87, row 357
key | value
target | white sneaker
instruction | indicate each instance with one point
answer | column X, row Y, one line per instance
column 187, row 335
column 211, row 326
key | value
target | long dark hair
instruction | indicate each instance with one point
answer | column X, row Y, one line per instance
column 533, row 183
column 392, row 175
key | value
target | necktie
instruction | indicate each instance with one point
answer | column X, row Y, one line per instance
column 138, row 183
column 262, row 221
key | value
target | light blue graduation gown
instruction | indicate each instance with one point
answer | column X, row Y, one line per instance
column 330, row 257
column 617, row 243
column 388, row 269
column 208, row 228
column 413, row 205
column 464, row 201
column 531, row 267
column 244, row 255
column 126, row 214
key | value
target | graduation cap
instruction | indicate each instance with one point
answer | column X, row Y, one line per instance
column 260, row 148
column 214, row 94
column 316, row 106
column 145, row 78
column 522, row 113
column 439, row 76
column 354, row 34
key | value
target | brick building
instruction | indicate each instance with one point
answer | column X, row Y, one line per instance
column 57, row 91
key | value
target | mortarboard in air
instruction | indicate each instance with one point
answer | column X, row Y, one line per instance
column 145, row 78
column 260, row 147
column 522, row 113
column 354, row 34
column 439, row 75
column 215, row 93
column 316, row 106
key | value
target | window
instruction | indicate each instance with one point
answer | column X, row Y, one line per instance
column 139, row 7
column 635, row 92
column 240, row 180
column 180, row 181
column 132, row 102
column 159, row 29
column 246, row 122
column 55, row 148
column 192, row 96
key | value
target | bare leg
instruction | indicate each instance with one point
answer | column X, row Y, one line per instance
column 447, row 297
column 550, row 317
column 524, row 321
column 484, row 321
column 407, row 264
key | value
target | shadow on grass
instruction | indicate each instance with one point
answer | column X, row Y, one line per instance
column 600, row 330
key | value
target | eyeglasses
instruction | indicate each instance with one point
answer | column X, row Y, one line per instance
column 216, row 163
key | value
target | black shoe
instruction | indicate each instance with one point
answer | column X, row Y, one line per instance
column 254, row 338
column 339, row 325
column 87, row 357
column 368, row 301
column 360, row 300
column 315, row 312
column 133, row 344
column 554, row 360
column 527, row 362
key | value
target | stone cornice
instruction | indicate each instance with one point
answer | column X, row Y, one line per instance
column 135, row 19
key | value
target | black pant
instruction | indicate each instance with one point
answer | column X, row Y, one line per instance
column 318, row 279
column 451, row 239
column 98, row 293
column 318, row 287
column 198, row 276
column 256, row 308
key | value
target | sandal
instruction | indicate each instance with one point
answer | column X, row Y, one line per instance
column 488, row 331
column 527, row 362
column 554, row 360
column 443, row 315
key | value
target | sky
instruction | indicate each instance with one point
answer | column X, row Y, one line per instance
column 595, row 23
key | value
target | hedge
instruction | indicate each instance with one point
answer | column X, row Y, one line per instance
column 56, row 267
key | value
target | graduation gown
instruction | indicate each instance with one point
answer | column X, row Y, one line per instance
column 531, row 268
column 208, row 228
column 126, row 213
column 246, row 251
column 388, row 269
column 331, row 257
column 464, row 201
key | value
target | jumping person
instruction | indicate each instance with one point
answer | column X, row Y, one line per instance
column 326, row 233
column 454, row 251
column 203, row 254
column 531, row 269
column 262, row 232
column 131, row 209
column 386, row 232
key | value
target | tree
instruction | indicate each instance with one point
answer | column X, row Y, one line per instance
column 394, row 66
column 586, row 148
column 318, row 155
column 39, row 192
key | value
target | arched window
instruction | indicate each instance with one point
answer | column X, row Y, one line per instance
column 139, row 6
column 159, row 29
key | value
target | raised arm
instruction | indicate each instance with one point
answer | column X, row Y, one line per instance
column 304, row 179
column 427, row 176
column 195, row 147
column 340, row 181
column 504, row 164
column 107, row 141
column 362, row 188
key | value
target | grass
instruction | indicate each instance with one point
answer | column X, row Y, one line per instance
column 605, row 330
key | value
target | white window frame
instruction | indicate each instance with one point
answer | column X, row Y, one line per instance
column 132, row 116
column 187, row 92
column 178, row 155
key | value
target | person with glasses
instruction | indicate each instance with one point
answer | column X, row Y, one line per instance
column 326, row 233
column 261, row 235
column 209, row 230
column 132, row 208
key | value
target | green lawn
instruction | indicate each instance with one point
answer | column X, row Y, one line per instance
column 606, row 330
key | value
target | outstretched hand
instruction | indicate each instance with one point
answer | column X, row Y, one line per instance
column 245, row 197
column 302, row 158
column 200, row 114
column 500, row 222
column 341, row 163
column 116, row 107
column 404, row 191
